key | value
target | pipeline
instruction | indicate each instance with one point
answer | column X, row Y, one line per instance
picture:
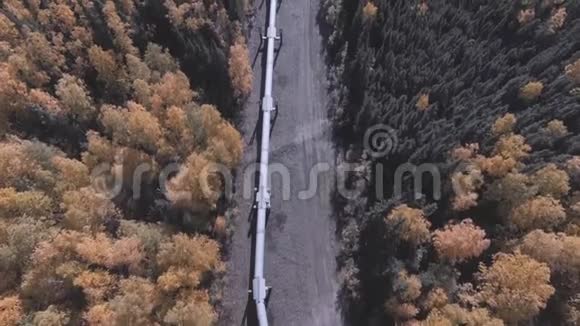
column 263, row 196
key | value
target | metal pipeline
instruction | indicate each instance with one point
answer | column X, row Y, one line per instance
column 263, row 196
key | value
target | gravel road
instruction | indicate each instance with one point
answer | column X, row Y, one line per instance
column 300, row 243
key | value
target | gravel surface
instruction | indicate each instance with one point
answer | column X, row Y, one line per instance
column 300, row 243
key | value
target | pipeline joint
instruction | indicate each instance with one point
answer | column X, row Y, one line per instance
column 267, row 104
column 259, row 289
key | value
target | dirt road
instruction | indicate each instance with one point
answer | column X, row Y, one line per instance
column 300, row 244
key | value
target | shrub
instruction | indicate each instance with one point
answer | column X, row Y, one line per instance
column 408, row 287
column 504, row 125
column 26, row 203
column 195, row 253
column 220, row 227
column 150, row 235
column 457, row 242
column 86, row 210
column 44, row 100
column 573, row 71
column 466, row 152
column 185, row 261
column 465, row 186
column 239, row 68
column 423, row 102
column 423, row 8
column 50, row 317
column 560, row 251
column 137, row 69
column 496, row 166
column 557, row 19
column 172, row 90
column 194, row 309
column 225, row 143
column 111, row 253
column 159, row 60
column 551, row 181
column 100, row 314
column 134, row 304
column 178, row 132
column 538, row 212
column 195, row 184
column 26, row 165
column 411, row 223
column 18, row 240
column 13, row 92
column 99, row 150
column 96, row 286
column 74, row 97
column 531, row 91
column 401, row 311
column 513, row 189
column 516, row 287
column 11, row 311
column 512, row 146
column 105, row 64
column 453, row 314
column 72, row 174
column 526, row 15
column 117, row 27
column 573, row 166
column 556, row 129
column 436, row 298
column 134, row 126
column 370, row 10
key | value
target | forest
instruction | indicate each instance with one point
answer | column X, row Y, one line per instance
column 489, row 93
column 97, row 99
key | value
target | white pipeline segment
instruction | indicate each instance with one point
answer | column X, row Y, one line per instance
column 263, row 195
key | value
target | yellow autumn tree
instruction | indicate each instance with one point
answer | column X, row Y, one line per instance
column 239, row 68
column 96, row 285
column 560, row 251
column 515, row 287
column 11, row 311
column 184, row 261
column 411, row 223
column 192, row 309
column 453, row 314
column 73, row 248
column 538, row 212
column 504, row 125
column 25, row 203
column 86, row 210
column 74, row 97
column 51, row 316
column 551, row 181
column 134, row 126
column 195, row 184
column 512, row 146
column 531, row 91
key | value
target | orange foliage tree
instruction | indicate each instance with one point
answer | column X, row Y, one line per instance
column 457, row 242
